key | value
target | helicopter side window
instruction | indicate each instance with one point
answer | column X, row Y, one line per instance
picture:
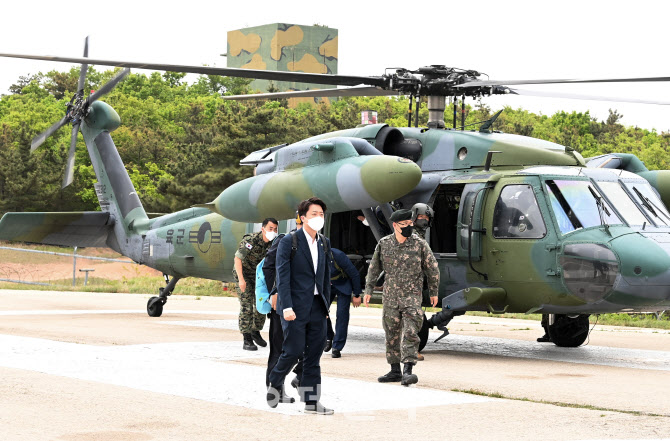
column 517, row 215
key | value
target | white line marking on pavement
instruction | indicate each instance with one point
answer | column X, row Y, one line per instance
column 200, row 371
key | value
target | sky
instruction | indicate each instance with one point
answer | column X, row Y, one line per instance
column 506, row 40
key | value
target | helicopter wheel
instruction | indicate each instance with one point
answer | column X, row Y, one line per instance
column 423, row 333
column 155, row 306
column 569, row 331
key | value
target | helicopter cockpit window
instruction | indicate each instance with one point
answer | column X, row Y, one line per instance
column 575, row 206
column 623, row 203
column 652, row 205
column 517, row 214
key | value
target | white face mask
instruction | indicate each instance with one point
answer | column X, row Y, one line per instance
column 315, row 223
column 269, row 235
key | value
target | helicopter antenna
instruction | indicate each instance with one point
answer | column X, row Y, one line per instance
column 489, row 122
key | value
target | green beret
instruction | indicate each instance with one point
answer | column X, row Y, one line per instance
column 401, row 215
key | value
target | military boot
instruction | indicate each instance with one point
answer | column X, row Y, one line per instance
column 393, row 376
column 256, row 336
column 407, row 376
column 249, row 343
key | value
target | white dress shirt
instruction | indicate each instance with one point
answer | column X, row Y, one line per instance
column 314, row 251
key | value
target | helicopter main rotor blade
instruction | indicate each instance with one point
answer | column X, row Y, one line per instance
column 69, row 167
column 39, row 139
column 318, row 93
column 303, row 77
column 111, row 84
column 84, row 68
column 585, row 97
column 562, row 81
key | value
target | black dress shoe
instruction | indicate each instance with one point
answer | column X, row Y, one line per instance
column 273, row 396
column 336, row 353
column 544, row 339
column 329, row 344
column 256, row 336
column 317, row 409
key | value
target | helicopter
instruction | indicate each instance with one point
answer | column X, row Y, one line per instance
column 521, row 225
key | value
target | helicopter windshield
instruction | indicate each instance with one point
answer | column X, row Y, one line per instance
column 575, row 206
column 623, row 203
column 651, row 204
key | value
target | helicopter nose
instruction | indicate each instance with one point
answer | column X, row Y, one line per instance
column 644, row 267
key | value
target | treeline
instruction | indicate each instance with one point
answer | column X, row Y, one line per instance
column 182, row 143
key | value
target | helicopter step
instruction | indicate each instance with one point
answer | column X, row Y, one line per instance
column 155, row 304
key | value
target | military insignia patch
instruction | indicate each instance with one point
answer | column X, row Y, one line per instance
column 248, row 245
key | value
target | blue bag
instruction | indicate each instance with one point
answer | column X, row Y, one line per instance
column 263, row 304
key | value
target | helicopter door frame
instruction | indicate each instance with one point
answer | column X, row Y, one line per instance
column 469, row 246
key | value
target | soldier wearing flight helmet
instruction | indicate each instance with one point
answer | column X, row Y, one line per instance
column 422, row 216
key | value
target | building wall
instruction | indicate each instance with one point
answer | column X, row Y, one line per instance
column 284, row 47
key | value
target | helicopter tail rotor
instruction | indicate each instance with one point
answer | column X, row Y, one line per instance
column 77, row 110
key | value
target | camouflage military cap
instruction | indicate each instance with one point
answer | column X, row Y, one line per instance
column 401, row 215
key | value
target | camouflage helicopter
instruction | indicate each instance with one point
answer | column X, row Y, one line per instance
column 521, row 224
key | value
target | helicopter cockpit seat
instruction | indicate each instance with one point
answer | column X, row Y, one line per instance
column 517, row 214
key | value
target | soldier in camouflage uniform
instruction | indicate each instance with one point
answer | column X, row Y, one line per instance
column 422, row 217
column 250, row 252
column 405, row 258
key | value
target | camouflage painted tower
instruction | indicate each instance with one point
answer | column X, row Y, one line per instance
column 284, row 47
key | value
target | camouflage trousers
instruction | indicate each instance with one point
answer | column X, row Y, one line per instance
column 402, row 325
column 250, row 319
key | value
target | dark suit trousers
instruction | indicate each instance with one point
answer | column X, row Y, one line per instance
column 339, row 337
column 303, row 335
column 276, row 343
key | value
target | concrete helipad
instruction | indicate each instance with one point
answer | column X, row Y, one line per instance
column 79, row 366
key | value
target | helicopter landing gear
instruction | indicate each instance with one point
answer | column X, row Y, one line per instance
column 568, row 331
column 545, row 325
column 423, row 333
column 155, row 304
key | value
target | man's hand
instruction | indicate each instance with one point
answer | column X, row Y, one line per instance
column 289, row 316
column 356, row 301
column 273, row 301
column 366, row 300
column 243, row 285
column 433, row 301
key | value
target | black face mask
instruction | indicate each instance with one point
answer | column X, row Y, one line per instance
column 421, row 223
column 406, row 231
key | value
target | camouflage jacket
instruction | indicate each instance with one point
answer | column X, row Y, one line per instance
column 420, row 231
column 405, row 265
column 251, row 251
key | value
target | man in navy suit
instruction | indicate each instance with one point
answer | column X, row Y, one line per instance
column 344, row 279
column 303, row 289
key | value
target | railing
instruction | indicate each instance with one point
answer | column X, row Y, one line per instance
column 53, row 253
